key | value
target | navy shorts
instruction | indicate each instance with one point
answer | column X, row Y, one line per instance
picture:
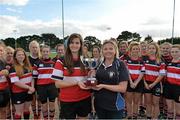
column 69, row 110
column 4, row 97
column 156, row 90
column 45, row 92
column 139, row 88
column 172, row 92
column 19, row 98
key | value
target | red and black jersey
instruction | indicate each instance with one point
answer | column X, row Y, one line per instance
column 166, row 59
column 173, row 73
column 74, row 93
column 123, row 57
column 26, row 78
column 42, row 70
column 3, row 79
column 135, row 67
column 153, row 69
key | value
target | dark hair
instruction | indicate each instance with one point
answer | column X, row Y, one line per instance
column 68, row 59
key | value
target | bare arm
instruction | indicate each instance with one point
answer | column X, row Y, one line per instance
column 139, row 78
column 158, row 79
column 64, row 84
column 22, row 85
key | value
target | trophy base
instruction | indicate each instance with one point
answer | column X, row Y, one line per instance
column 91, row 83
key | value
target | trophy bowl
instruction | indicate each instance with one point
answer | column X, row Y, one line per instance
column 90, row 63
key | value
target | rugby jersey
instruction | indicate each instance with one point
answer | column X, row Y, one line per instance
column 73, row 93
column 42, row 70
column 135, row 67
column 153, row 69
column 26, row 78
column 3, row 79
column 173, row 73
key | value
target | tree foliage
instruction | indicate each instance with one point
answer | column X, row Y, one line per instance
column 91, row 41
column 128, row 36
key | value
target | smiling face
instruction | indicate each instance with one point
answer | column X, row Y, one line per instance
column 20, row 56
column 60, row 50
column 152, row 50
column 75, row 45
column 175, row 53
column 123, row 48
column 109, row 51
column 45, row 52
column 165, row 50
column 135, row 50
column 96, row 53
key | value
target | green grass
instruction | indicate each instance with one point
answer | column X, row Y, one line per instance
column 53, row 54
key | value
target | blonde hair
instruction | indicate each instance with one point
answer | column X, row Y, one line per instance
column 131, row 45
column 166, row 43
column 114, row 44
column 158, row 58
column 176, row 46
column 9, row 48
column 34, row 42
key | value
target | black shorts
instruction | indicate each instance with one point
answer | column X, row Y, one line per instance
column 69, row 110
column 172, row 92
column 139, row 88
column 19, row 98
column 156, row 90
column 45, row 92
column 4, row 97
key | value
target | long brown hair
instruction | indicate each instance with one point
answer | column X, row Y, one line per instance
column 18, row 67
column 68, row 59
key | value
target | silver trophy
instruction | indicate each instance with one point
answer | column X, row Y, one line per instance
column 90, row 63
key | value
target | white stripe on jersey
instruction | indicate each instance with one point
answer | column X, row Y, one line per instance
column 173, row 75
column 134, row 71
column 26, row 80
column 74, row 78
column 35, row 72
column 14, row 79
column 58, row 73
column 45, row 68
column 3, row 79
column 162, row 72
column 42, row 76
column 149, row 72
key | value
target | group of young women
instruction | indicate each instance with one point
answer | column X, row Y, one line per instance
column 153, row 69
column 126, row 79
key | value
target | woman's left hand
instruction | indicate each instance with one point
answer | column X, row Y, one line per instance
column 151, row 86
column 98, row 87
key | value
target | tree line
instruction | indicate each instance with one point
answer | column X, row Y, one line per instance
column 52, row 40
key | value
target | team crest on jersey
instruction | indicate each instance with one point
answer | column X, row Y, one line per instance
column 147, row 61
column 41, row 65
column 129, row 61
column 111, row 74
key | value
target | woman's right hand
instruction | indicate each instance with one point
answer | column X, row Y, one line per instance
column 31, row 90
column 83, row 86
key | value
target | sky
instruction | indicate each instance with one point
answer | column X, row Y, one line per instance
column 100, row 18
